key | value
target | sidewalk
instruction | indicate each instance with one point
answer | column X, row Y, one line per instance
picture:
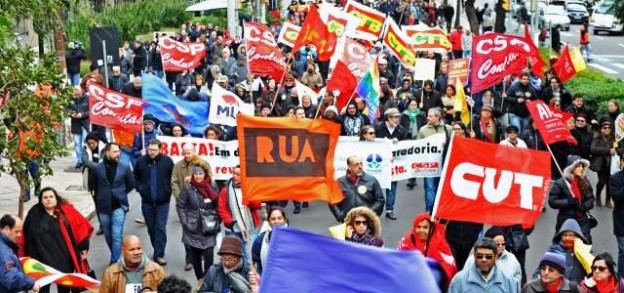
column 66, row 180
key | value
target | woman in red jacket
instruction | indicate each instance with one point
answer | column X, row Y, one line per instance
column 430, row 241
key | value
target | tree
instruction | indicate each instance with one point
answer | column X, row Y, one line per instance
column 618, row 9
column 471, row 14
column 36, row 103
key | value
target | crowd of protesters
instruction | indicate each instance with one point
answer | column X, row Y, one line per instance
column 408, row 109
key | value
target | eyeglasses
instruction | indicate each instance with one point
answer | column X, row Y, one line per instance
column 599, row 268
column 370, row 133
column 607, row 127
column 485, row 256
column 500, row 244
column 357, row 223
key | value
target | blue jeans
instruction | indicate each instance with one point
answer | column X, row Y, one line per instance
column 156, row 217
column 113, row 226
column 79, row 140
column 517, row 121
column 74, row 78
column 431, row 189
column 254, row 234
column 620, row 261
column 587, row 49
column 391, row 196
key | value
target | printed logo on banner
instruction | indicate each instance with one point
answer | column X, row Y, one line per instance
column 425, row 168
column 374, row 162
column 285, row 153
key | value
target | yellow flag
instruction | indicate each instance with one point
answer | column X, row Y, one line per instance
column 577, row 60
column 582, row 252
column 460, row 102
column 339, row 231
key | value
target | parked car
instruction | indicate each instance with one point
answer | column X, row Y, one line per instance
column 577, row 13
column 603, row 20
column 553, row 15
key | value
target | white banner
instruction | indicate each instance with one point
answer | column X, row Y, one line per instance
column 221, row 155
column 418, row 158
column 376, row 158
column 224, row 106
column 425, row 69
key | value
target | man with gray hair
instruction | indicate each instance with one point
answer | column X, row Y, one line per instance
column 483, row 276
column 434, row 126
column 181, row 178
column 359, row 189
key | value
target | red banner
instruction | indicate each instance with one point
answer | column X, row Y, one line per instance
column 371, row 21
column 315, row 32
column 177, row 56
column 496, row 55
column 342, row 79
column 458, row 68
column 264, row 58
column 496, row 185
column 564, row 68
column 535, row 59
column 356, row 57
column 114, row 110
column 549, row 123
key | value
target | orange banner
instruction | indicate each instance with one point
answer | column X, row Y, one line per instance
column 288, row 159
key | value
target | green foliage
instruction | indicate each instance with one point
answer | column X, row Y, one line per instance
column 596, row 88
column 216, row 17
column 130, row 19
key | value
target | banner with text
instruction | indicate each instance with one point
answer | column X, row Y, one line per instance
column 459, row 68
column 221, row 155
column 426, row 38
column 114, row 110
column 418, row 158
column 376, row 158
column 264, row 58
column 371, row 20
column 177, row 56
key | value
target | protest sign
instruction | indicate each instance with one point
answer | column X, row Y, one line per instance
column 225, row 106
column 376, row 157
column 549, row 123
column 424, row 69
column 418, row 158
column 264, row 58
column 178, row 56
column 114, row 110
column 458, row 68
column 288, row 34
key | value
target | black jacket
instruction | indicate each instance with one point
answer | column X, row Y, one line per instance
column 72, row 59
column 382, row 131
column 569, row 207
column 143, row 177
column 600, row 152
column 584, row 140
column 519, row 91
column 372, row 197
column 80, row 106
column 616, row 185
column 432, row 99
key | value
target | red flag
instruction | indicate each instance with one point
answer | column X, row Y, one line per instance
column 315, row 32
column 114, row 110
column 264, row 58
column 343, row 80
column 177, row 56
column 288, row 159
column 537, row 64
column 480, row 186
column 495, row 56
column 565, row 116
column 564, row 68
column 549, row 123
column 355, row 56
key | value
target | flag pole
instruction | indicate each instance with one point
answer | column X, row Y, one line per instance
column 278, row 86
column 559, row 169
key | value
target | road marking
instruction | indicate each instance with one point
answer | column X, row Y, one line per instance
column 621, row 45
column 620, row 65
column 600, row 38
column 565, row 34
column 603, row 68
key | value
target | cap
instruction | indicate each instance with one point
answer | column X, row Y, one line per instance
column 390, row 112
column 487, row 108
column 231, row 245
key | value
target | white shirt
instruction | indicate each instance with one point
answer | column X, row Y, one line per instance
column 519, row 143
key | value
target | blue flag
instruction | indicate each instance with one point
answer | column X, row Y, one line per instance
column 166, row 107
column 304, row 262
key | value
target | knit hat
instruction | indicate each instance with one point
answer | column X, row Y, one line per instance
column 198, row 169
column 555, row 260
column 148, row 118
column 231, row 245
column 332, row 108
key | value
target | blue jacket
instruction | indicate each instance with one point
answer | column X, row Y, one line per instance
column 574, row 270
column 104, row 191
column 137, row 146
column 12, row 278
column 470, row 280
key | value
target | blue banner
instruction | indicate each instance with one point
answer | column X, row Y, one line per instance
column 304, row 262
column 166, row 107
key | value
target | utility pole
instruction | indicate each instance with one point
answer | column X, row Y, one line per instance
column 232, row 17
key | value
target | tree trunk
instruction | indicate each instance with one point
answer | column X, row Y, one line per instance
column 60, row 44
column 458, row 12
column 20, row 205
column 499, row 25
column 471, row 14
column 41, row 45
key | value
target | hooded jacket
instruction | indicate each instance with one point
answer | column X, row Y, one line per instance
column 373, row 235
column 573, row 269
column 438, row 250
column 569, row 206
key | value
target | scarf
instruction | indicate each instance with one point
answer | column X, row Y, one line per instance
column 237, row 282
column 204, row 188
column 576, row 192
column 241, row 214
column 607, row 286
column 554, row 287
column 412, row 115
column 486, row 130
column 354, row 180
column 367, row 238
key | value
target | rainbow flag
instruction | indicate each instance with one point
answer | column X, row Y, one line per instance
column 45, row 275
column 369, row 90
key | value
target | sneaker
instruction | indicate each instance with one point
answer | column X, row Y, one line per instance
column 305, row 204
column 390, row 215
column 140, row 220
column 161, row 261
column 297, row 210
column 188, row 267
column 99, row 232
column 78, row 166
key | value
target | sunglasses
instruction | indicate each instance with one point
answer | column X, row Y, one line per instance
column 500, row 244
column 370, row 133
column 599, row 268
column 485, row 256
column 357, row 223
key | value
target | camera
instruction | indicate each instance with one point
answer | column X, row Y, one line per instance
column 78, row 45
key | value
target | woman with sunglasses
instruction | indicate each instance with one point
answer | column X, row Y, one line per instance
column 428, row 238
column 367, row 133
column 603, row 277
column 602, row 148
column 363, row 226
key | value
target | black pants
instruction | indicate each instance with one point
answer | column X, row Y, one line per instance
column 521, row 257
column 603, row 181
column 460, row 251
column 196, row 256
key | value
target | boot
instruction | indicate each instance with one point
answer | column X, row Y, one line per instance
column 200, row 281
column 608, row 202
column 598, row 201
